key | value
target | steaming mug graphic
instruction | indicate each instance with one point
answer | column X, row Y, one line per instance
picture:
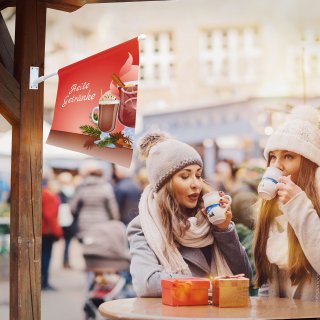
column 215, row 213
column 107, row 115
column 267, row 187
column 128, row 103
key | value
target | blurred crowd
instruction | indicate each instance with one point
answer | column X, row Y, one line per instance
column 94, row 207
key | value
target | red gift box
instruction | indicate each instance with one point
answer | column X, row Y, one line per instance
column 230, row 291
column 185, row 291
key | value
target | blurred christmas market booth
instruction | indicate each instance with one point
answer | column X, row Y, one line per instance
column 54, row 157
column 236, row 130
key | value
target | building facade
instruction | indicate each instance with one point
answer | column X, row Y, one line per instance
column 217, row 74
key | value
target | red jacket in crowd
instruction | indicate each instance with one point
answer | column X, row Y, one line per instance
column 50, row 204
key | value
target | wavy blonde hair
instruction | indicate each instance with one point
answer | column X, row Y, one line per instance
column 299, row 266
column 171, row 211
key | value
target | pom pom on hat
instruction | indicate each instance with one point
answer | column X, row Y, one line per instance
column 165, row 156
column 148, row 141
column 305, row 113
column 299, row 134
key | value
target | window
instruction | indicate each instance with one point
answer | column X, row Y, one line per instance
column 304, row 57
column 157, row 60
column 229, row 55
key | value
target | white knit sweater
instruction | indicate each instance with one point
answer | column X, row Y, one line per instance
column 305, row 222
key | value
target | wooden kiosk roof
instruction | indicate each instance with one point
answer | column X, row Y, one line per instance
column 23, row 109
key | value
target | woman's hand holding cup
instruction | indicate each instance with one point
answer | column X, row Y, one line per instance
column 217, row 208
column 225, row 225
column 286, row 189
column 267, row 187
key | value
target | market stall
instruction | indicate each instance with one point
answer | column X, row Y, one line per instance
column 23, row 109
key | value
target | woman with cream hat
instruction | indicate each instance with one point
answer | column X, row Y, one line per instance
column 287, row 235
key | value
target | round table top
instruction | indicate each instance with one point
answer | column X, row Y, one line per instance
column 259, row 308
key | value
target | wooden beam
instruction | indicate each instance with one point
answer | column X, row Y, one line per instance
column 7, row 3
column 9, row 97
column 25, row 218
column 65, row 5
column 6, row 46
column 72, row 5
column 112, row 1
column 9, row 87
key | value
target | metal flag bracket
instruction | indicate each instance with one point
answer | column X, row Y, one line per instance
column 35, row 79
column 34, row 75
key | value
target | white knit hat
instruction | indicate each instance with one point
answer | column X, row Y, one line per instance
column 299, row 134
column 165, row 156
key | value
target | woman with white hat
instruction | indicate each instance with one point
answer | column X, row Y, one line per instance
column 287, row 235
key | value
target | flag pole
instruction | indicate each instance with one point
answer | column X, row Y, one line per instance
column 142, row 36
column 34, row 72
column 43, row 78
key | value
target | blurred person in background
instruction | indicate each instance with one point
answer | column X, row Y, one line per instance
column 4, row 201
column 224, row 176
column 4, row 190
column 244, row 193
column 102, row 235
column 94, row 201
column 51, row 230
column 244, row 205
column 66, row 220
column 127, row 193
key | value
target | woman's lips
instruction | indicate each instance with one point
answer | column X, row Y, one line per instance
column 194, row 196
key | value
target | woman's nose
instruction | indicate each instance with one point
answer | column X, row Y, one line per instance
column 278, row 164
column 196, row 183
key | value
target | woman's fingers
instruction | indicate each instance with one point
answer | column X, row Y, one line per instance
column 287, row 189
column 224, row 202
column 225, row 224
column 229, row 215
column 280, row 186
column 285, row 179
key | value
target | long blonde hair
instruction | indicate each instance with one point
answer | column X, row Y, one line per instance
column 299, row 267
column 171, row 211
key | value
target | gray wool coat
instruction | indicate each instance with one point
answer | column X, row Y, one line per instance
column 147, row 272
column 94, row 203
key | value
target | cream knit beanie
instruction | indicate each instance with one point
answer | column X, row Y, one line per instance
column 165, row 156
column 299, row 134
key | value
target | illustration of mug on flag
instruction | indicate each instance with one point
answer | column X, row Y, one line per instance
column 96, row 104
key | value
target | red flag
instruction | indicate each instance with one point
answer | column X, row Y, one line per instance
column 95, row 110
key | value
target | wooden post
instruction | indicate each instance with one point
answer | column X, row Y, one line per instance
column 26, row 166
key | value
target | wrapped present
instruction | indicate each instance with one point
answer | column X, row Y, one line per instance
column 230, row 291
column 185, row 291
